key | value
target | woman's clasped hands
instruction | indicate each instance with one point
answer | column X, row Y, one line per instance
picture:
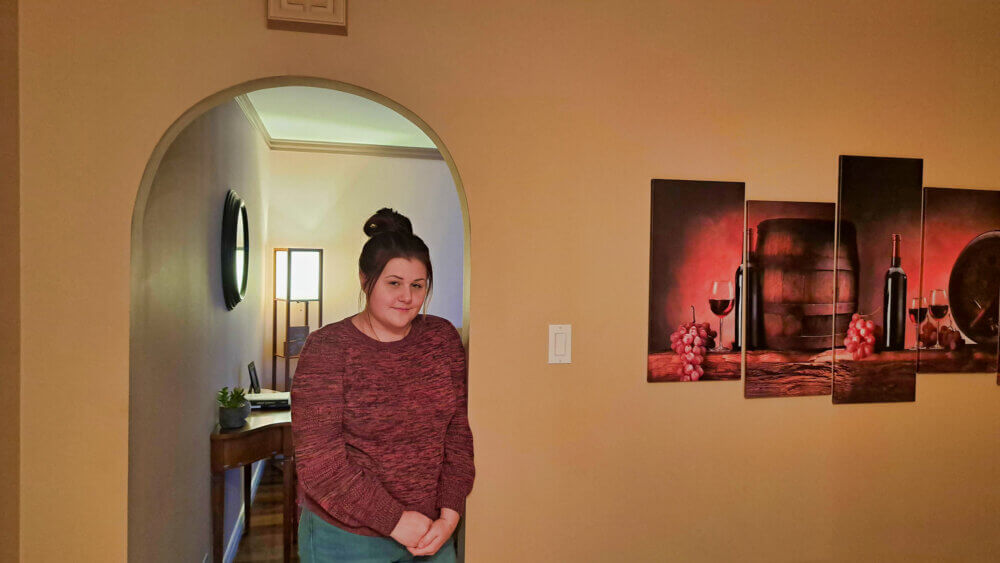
column 422, row 536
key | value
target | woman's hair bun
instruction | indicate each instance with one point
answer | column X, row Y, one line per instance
column 386, row 220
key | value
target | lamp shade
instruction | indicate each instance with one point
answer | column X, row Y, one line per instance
column 305, row 273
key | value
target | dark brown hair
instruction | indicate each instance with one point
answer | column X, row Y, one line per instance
column 390, row 235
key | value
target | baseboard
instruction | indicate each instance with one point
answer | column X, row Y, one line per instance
column 236, row 534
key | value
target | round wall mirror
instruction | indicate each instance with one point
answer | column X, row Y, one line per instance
column 235, row 250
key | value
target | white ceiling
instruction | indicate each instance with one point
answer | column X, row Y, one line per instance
column 301, row 113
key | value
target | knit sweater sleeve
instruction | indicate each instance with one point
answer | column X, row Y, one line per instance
column 458, row 470
column 347, row 491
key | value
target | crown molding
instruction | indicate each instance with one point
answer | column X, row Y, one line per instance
column 356, row 148
column 327, row 147
column 253, row 117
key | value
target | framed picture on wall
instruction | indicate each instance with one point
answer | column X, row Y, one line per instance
column 788, row 280
column 696, row 234
column 880, row 206
column 961, row 281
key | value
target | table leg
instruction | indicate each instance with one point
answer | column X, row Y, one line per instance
column 218, row 506
column 247, row 499
column 289, row 507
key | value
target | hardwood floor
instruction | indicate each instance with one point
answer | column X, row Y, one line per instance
column 262, row 543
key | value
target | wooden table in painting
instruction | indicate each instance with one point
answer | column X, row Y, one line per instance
column 974, row 358
column 266, row 434
column 719, row 366
column 888, row 376
column 812, row 374
column 788, row 374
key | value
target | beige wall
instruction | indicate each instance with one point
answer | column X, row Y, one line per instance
column 557, row 115
column 185, row 344
column 10, row 328
column 322, row 200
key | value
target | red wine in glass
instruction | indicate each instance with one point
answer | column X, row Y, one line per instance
column 938, row 312
column 918, row 315
column 721, row 302
column 939, row 304
column 721, row 307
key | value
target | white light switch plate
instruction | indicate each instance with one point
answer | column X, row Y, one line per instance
column 560, row 344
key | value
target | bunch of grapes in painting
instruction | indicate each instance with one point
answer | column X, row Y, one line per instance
column 863, row 337
column 928, row 335
column 947, row 337
column 951, row 339
column 691, row 341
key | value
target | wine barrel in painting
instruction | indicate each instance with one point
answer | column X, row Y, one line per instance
column 799, row 264
column 974, row 288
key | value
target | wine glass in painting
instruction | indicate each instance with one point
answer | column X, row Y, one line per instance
column 939, row 306
column 721, row 302
column 918, row 314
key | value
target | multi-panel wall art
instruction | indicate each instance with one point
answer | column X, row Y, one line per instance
column 961, row 281
column 788, row 277
column 810, row 298
column 880, row 200
column 695, row 249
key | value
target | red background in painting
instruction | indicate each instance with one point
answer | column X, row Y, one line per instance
column 695, row 239
column 952, row 218
column 882, row 196
column 758, row 211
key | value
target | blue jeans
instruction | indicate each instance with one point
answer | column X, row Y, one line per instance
column 321, row 542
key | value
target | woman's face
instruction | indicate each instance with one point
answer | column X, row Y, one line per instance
column 398, row 294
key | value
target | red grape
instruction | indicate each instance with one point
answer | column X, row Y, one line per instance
column 951, row 339
column 862, row 337
column 691, row 341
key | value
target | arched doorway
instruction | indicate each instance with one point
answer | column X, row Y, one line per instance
column 183, row 344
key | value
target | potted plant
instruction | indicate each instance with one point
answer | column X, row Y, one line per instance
column 233, row 408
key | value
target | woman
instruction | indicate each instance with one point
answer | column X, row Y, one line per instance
column 382, row 441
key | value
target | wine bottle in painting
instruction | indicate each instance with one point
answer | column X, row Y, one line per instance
column 737, row 309
column 748, row 274
column 753, row 310
column 894, row 302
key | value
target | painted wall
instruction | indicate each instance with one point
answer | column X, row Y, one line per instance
column 557, row 116
column 322, row 200
column 10, row 274
column 185, row 344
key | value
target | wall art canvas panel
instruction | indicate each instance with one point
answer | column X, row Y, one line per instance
column 696, row 234
column 961, row 281
column 879, row 213
column 788, row 278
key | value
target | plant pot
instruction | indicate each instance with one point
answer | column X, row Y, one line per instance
column 234, row 417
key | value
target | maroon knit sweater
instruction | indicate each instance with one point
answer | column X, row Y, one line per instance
column 381, row 427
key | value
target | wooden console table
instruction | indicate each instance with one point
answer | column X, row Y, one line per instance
column 266, row 434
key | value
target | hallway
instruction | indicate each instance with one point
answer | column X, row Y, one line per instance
column 263, row 542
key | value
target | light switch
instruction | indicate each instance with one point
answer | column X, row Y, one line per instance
column 560, row 344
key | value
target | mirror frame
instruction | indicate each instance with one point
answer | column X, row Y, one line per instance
column 232, row 289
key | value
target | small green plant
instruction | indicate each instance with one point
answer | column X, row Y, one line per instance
column 231, row 399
